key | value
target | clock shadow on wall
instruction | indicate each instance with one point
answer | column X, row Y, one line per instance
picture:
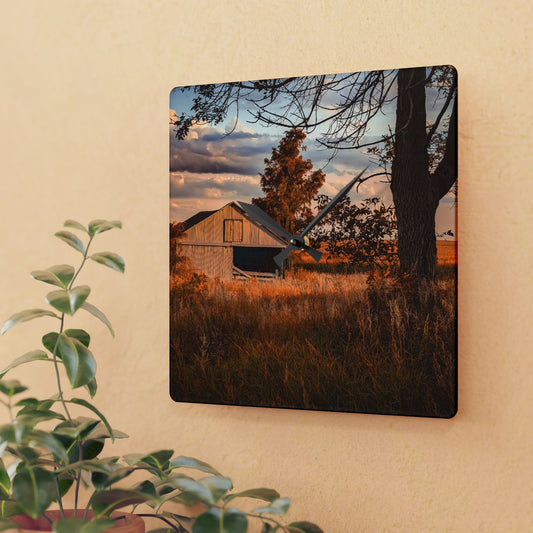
column 313, row 259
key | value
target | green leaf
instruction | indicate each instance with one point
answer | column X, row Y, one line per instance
column 98, row 314
column 5, row 482
column 86, row 404
column 34, row 489
column 158, row 459
column 34, row 416
column 68, row 301
column 28, row 455
column 169, row 491
column 86, row 428
column 304, row 527
column 24, row 316
column 91, row 387
column 33, row 404
column 110, row 260
column 200, row 491
column 71, row 240
column 8, row 524
column 78, row 360
column 65, row 483
column 14, row 433
column 34, row 355
column 104, row 502
column 10, row 387
column 78, row 428
column 104, row 466
column 48, row 441
column 79, row 334
column 148, row 488
column 50, row 339
column 217, row 485
column 74, row 224
column 103, row 479
column 59, row 275
column 99, row 226
column 101, row 432
column 9, row 508
column 89, row 449
column 278, row 506
column 217, row 520
column 79, row 525
column 191, row 462
column 268, row 495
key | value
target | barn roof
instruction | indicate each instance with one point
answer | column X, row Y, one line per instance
column 259, row 216
column 196, row 219
column 253, row 212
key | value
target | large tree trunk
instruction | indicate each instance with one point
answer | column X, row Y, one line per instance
column 414, row 196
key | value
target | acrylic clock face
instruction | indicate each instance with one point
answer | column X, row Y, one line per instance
column 313, row 258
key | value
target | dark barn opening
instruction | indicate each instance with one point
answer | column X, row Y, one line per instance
column 239, row 241
column 255, row 259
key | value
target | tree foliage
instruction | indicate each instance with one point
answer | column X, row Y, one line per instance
column 176, row 258
column 360, row 234
column 290, row 184
column 185, row 280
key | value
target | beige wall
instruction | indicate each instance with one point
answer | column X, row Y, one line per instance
column 84, row 101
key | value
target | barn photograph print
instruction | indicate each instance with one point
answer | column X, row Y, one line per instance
column 313, row 253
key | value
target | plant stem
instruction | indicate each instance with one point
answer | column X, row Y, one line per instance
column 82, row 263
column 267, row 518
column 88, row 506
column 168, row 522
column 56, row 366
column 59, row 388
column 78, row 477
column 80, row 445
column 58, row 377
column 59, row 498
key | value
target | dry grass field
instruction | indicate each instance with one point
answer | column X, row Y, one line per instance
column 447, row 252
column 316, row 341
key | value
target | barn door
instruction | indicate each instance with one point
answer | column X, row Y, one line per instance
column 232, row 230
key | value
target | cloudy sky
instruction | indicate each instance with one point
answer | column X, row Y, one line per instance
column 210, row 168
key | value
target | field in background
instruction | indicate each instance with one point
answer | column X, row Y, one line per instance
column 446, row 258
column 317, row 341
column 447, row 252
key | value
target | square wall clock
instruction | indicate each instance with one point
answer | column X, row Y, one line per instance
column 313, row 258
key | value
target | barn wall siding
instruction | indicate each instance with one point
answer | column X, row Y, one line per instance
column 215, row 261
column 211, row 230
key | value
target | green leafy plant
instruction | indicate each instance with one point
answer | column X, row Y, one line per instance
column 47, row 452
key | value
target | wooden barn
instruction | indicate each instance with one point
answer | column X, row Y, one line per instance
column 238, row 241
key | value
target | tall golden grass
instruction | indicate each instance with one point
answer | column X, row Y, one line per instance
column 316, row 341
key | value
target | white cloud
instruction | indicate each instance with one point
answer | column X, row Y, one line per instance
column 177, row 179
column 211, row 192
column 235, row 125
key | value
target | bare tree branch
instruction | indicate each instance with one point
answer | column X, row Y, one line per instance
column 446, row 172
